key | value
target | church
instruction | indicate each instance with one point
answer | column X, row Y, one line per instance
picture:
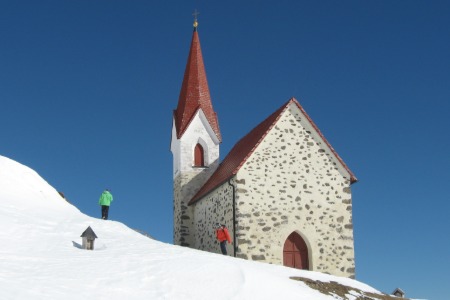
column 282, row 191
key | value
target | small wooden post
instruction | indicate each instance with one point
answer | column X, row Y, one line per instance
column 88, row 239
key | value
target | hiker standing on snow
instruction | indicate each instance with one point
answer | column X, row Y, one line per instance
column 223, row 236
column 105, row 201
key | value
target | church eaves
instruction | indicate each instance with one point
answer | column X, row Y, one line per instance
column 245, row 147
column 194, row 94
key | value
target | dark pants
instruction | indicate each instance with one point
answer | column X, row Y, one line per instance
column 105, row 210
column 223, row 247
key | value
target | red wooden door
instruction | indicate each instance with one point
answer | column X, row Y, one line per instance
column 295, row 252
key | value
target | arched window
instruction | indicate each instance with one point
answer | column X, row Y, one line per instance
column 295, row 252
column 199, row 156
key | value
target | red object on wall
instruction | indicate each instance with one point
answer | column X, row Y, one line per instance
column 199, row 156
column 295, row 252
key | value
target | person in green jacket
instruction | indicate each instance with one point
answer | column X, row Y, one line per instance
column 105, row 201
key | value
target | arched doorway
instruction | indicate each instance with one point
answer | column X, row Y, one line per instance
column 295, row 252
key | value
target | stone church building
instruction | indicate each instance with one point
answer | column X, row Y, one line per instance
column 282, row 191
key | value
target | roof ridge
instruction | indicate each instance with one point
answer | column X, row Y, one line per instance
column 353, row 178
column 240, row 152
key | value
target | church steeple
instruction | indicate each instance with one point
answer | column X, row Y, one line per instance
column 195, row 142
column 194, row 94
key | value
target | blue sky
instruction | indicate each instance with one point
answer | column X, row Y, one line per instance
column 87, row 90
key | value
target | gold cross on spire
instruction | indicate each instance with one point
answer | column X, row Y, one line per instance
column 195, row 14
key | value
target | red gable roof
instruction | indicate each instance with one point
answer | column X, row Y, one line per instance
column 194, row 92
column 245, row 147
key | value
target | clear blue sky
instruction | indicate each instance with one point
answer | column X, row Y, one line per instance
column 87, row 90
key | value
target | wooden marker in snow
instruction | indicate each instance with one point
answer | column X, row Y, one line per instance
column 88, row 238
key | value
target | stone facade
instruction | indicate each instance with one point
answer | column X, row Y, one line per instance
column 292, row 182
column 215, row 208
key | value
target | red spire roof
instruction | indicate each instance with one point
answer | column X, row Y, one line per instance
column 245, row 147
column 194, row 92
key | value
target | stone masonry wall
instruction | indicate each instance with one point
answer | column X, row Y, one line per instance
column 292, row 182
column 185, row 187
column 217, row 207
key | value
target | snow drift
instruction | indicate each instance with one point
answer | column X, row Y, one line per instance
column 41, row 257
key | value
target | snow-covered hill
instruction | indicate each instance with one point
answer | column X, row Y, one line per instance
column 40, row 257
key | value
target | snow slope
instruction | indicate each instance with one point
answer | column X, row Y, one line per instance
column 41, row 258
